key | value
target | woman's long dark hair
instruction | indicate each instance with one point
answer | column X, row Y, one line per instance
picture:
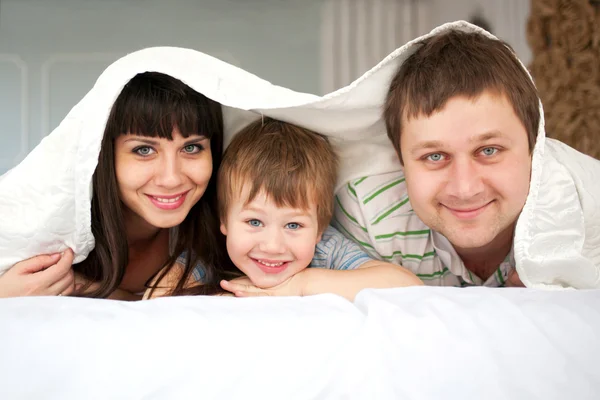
column 153, row 104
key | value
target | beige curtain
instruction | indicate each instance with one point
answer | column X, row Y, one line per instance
column 356, row 34
column 564, row 36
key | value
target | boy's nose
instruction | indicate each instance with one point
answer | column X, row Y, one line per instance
column 272, row 243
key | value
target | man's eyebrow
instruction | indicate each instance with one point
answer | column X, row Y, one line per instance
column 437, row 144
column 429, row 144
column 487, row 136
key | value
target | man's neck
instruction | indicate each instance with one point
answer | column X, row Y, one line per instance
column 484, row 261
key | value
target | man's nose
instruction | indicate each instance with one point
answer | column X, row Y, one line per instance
column 464, row 180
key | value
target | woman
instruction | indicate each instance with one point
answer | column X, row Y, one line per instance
column 154, row 198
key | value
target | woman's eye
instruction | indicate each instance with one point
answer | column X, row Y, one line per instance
column 293, row 225
column 435, row 157
column 192, row 148
column 143, row 150
column 254, row 222
column 489, row 151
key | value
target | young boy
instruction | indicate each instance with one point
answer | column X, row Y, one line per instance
column 276, row 192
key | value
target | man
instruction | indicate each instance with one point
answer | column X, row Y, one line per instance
column 463, row 116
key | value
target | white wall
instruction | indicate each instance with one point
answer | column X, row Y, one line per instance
column 52, row 51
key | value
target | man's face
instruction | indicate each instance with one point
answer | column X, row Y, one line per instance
column 467, row 169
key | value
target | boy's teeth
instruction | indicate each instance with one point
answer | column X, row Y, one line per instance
column 168, row 200
column 271, row 264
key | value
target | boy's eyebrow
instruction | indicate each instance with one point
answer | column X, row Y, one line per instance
column 252, row 208
column 292, row 213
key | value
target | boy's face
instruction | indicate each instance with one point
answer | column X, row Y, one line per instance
column 467, row 169
column 268, row 243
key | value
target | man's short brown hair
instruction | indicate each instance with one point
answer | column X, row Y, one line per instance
column 453, row 64
column 293, row 166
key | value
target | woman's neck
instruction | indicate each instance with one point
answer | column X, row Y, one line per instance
column 137, row 230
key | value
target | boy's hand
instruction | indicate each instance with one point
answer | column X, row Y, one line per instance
column 47, row 275
column 243, row 287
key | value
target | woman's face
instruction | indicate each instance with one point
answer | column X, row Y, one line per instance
column 159, row 179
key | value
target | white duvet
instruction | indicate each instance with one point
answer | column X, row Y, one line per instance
column 414, row 343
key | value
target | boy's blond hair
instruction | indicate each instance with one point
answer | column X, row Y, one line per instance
column 293, row 166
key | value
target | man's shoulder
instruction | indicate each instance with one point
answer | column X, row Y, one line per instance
column 380, row 198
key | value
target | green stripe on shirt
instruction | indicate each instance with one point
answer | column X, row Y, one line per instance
column 391, row 210
column 350, row 217
column 415, row 256
column 351, row 190
column 383, row 189
column 437, row 274
column 351, row 236
column 401, row 233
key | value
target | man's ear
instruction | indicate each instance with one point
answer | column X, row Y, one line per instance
column 223, row 229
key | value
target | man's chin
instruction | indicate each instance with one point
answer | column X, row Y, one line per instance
column 469, row 239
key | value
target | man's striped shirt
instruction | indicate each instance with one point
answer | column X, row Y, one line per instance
column 376, row 213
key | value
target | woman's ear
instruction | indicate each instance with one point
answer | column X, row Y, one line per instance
column 223, row 229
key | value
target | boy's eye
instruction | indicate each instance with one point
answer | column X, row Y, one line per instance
column 193, row 148
column 254, row 222
column 435, row 157
column 293, row 225
column 143, row 150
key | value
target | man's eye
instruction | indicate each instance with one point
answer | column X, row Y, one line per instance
column 489, row 151
column 143, row 150
column 254, row 222
column 293, row 225
column 435, row 157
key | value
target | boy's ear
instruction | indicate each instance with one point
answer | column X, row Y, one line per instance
column 319, row 236
column 223, row 229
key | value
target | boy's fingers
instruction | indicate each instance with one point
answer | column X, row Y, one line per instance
column 231, row 286
column 36, row 264
column 244, row 293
